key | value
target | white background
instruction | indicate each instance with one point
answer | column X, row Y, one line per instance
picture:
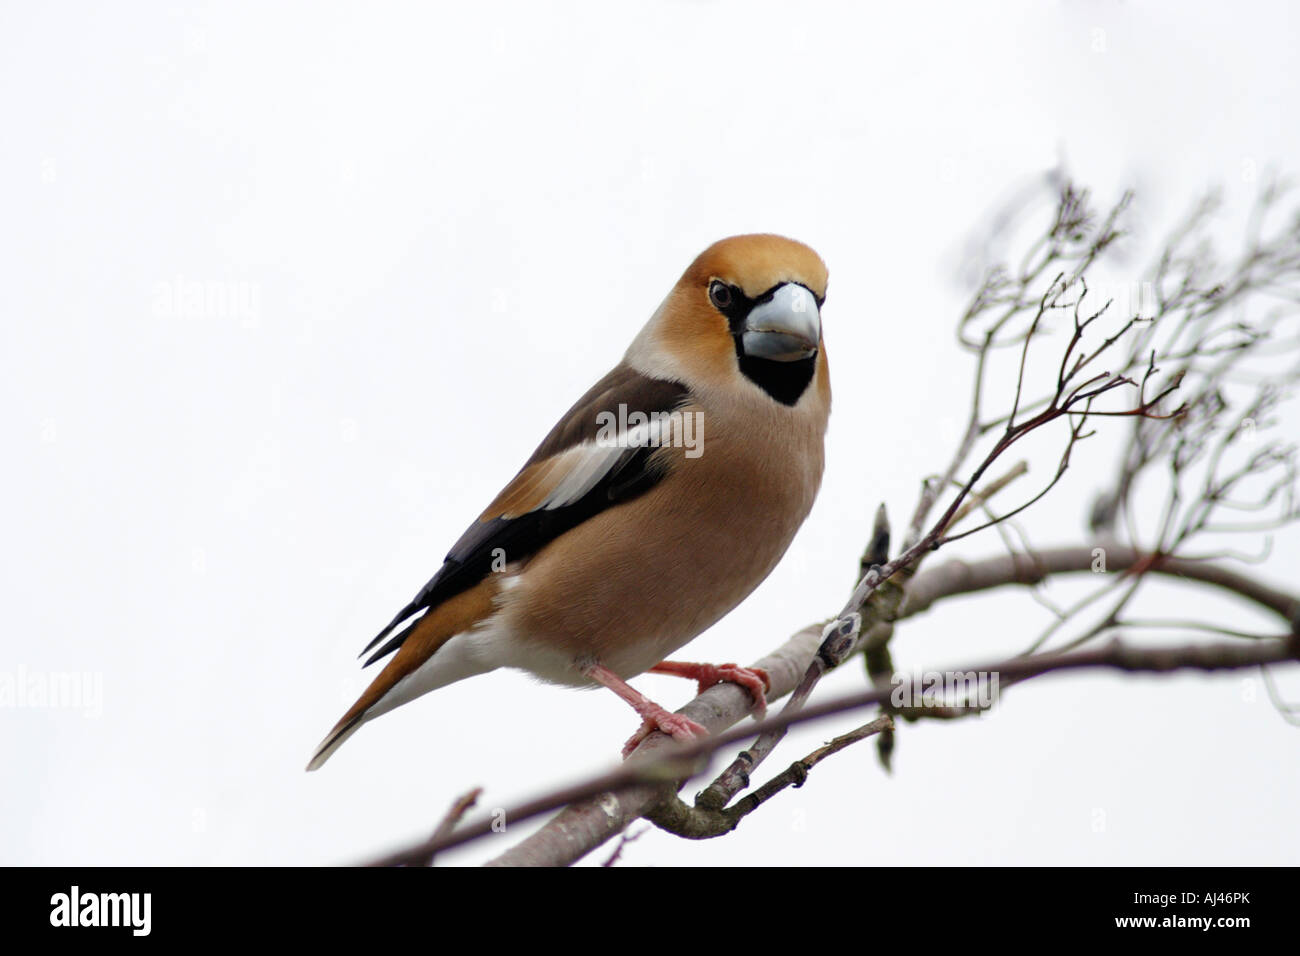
column 446, row 223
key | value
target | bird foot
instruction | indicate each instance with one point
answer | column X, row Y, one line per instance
column 675, row 725
column 753, row 679
column 654, row 717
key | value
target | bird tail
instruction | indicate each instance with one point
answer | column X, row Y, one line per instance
column 423, row 663
column 334, row 740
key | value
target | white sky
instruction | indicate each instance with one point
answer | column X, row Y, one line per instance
column 444, row 224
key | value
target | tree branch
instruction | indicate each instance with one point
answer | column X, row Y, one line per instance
column 598, row 810
column 624, row 794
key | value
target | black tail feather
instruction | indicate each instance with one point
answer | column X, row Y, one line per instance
column 393, row 644
column 402, row 615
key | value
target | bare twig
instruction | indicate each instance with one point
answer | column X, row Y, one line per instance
column 628, row 836
column 701, row 823
column 457, row 810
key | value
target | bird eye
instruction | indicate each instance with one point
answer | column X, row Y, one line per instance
column 720, row 295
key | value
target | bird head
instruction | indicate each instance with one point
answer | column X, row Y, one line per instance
column 749, row 305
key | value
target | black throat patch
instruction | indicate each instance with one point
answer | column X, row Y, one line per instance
column 784, row 381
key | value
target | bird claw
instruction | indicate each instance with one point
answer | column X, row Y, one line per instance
column 753, row 679
column 675, row 725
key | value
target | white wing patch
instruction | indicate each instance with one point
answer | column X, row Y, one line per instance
column 585, row 465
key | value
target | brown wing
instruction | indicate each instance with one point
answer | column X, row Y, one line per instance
column 568, row 479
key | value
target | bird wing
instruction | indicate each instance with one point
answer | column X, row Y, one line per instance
column 569, row 478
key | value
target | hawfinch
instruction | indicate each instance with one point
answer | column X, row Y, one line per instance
column 655, row 506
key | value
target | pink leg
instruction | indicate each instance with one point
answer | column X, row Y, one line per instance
column 654, row 716
column 753, row 679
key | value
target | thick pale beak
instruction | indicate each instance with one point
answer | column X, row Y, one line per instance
column 785, row 328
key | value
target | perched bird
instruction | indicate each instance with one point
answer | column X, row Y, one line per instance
column 664, row 496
